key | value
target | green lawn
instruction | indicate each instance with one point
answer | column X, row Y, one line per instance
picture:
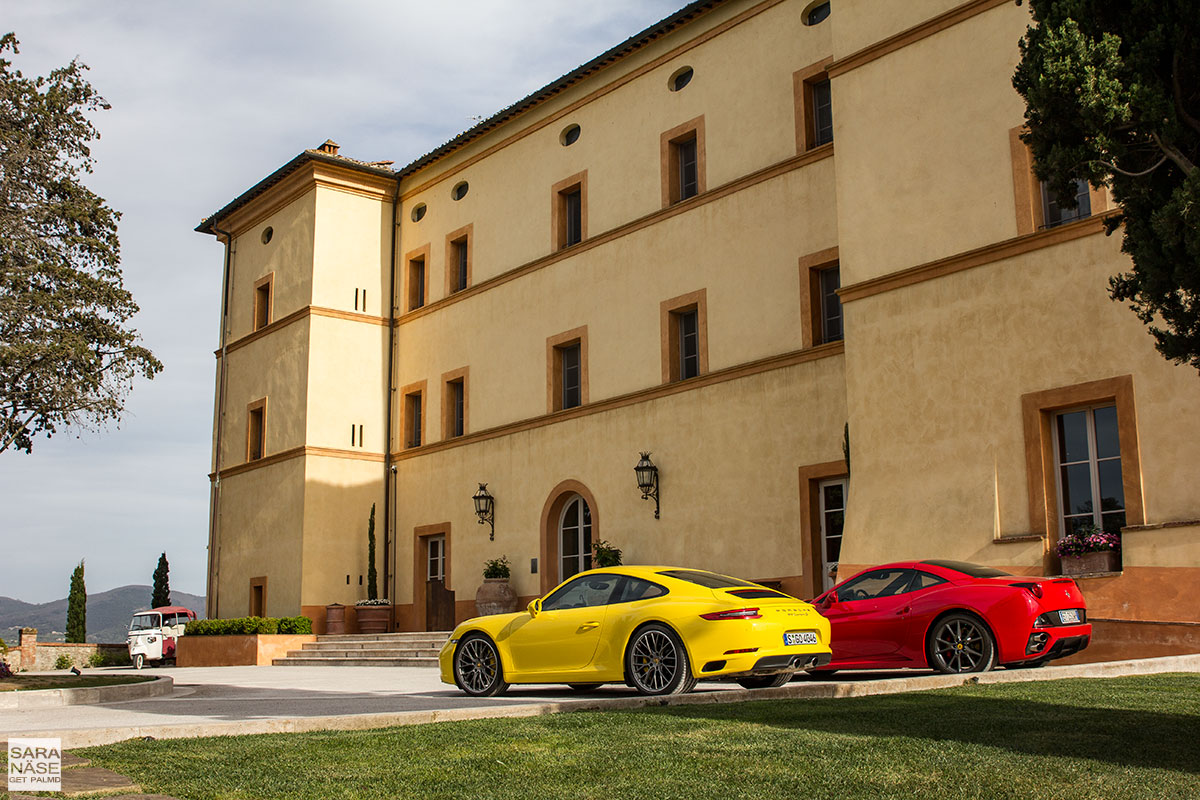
column 1118, row 739
column 24, row 683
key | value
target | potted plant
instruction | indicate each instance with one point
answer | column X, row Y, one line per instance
column 1089, row 550
column 605, row 555
column 494, row 595
column 374, row 614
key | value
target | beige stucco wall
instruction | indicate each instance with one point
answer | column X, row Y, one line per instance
column 728, row 456
column 753, row 297
column 347, row 378
column 742, row 86
column 935, row 374
column 338, row 494
column 857, row 24
column 924, row 166
column 350, row 251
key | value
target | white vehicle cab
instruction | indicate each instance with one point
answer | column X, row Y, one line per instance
column 152, row 633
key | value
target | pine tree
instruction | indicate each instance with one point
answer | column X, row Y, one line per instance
column 162, row 583
column 372, row 589
column 77, row 608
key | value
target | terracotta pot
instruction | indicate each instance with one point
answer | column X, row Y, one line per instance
column 495, row 596
column 1088, row 563
column 335, row 618
column 374, row 619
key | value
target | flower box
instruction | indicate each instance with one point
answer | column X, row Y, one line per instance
column 1087, row 563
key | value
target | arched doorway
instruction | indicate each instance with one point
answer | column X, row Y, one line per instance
column 570, row 523
column 574, row 537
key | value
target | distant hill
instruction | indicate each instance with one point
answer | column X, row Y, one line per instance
column 108, row 614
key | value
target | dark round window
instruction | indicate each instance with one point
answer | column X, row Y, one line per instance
column 460, row 190
column 418, row 212
column 680, row 79
column 267, row 233
column 569, row 135
column 816, row 13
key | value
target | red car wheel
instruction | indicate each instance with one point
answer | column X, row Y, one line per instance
column 961, row 643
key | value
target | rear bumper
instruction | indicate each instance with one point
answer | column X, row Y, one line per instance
column 1056, row 643
column 765, row 665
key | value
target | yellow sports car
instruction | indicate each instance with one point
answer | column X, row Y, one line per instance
column 657, row 629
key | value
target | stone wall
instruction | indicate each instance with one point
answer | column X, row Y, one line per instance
column 34, row 656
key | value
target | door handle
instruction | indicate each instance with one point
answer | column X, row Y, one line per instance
column 904, row 610
column 587, row 626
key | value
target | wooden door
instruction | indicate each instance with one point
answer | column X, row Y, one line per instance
column 439, row 606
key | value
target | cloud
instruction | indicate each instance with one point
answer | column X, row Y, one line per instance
column 208, row 98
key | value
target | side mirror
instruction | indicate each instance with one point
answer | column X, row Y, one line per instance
column 535, row 607
column 828, row 600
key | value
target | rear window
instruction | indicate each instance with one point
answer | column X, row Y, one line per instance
column 752, row 594
column 973, row 570
column 709, row 580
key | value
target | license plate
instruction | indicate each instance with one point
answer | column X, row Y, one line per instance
column 799, row 637
column 1069, row 617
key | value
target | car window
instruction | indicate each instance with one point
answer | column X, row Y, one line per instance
column 923, row 580
column 967, row 568
column 877, row 583
column 631, row 589
column 710, row 580
column 589, row 590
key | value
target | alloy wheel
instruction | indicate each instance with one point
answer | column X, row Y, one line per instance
column 654, row 662
column 961, row 645
column 477, row 665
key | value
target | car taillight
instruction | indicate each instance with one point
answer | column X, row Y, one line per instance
column 1034, row 589
column 737, row 613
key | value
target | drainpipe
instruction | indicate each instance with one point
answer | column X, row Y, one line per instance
column 212, row 603
column 389, row 475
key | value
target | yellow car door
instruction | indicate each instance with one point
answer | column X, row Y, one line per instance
column 564, row 634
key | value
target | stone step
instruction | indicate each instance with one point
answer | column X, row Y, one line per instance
column 303, row 661
column 417, row 645
column 439, row 636
column 381, row 652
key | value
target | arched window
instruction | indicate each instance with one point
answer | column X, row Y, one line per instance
column 574, row 537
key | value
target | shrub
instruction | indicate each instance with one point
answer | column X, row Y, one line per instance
column 62, row 662
column 243, row 626
column 497, row 568
column 3, row 647
column 109, row 659
column 1087, row 540
column 605, row 555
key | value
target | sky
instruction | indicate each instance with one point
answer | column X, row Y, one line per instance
column 207, row 99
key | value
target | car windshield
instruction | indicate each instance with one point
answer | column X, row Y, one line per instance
column 710, row 580
column 967, row 568
column 144, row 622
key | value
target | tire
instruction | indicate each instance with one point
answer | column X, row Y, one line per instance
column 477, row 668
column 656, row 662
column 765, row 681
column 138, row 661
column 960, row 643
column 584, row 688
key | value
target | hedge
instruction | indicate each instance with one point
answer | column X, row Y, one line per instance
column 248, row 625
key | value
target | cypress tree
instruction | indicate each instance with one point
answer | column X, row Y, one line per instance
column 77, row 608
column 372, row 590
column 162, row 583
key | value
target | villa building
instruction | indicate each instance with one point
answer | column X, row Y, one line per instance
column 794, row 250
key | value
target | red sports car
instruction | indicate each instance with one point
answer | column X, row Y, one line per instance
column 953, row 617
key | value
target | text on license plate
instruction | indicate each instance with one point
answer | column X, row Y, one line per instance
column 799, row 637
column 1068, row 617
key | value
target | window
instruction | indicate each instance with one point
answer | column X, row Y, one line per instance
column 683, row 161
column 256, row 430
column 567, row 384
column 414, row 417
column 460, row 190
column 574, row 538
column 569, row 135
column 680, row 78
column 1053, row 214
column 820, row 307
column 832, row 495
column 454, row 403
column 634, row 589
column 458, row 260
column 569, row 211
column 684, row 336
column 267, row 234
column 418, row 212
column 1088, row 456
column 709, row 580
column 1082, row 457
column 817, row 13
column 586, row 592
column 418, row 275
column 356, row 435
column 258, row 597
column 831, row 306
column 875, row 584
column 822, row 103
column 814, row 106
column 263, row 291
column 436, row 559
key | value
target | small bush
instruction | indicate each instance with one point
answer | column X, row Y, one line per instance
column 3, row 647
column 497, row 567
column 605, row 555
column 245, row 626
column 109, row 659
column 62, row 662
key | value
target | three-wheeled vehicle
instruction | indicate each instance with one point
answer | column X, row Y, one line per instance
column 152, row 633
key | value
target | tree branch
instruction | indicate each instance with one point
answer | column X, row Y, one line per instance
column 1117, row 169
column 1173, row 153
column 1177, row 90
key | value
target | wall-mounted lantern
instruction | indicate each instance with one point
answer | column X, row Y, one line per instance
column 485, row 509
column 647, row 480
